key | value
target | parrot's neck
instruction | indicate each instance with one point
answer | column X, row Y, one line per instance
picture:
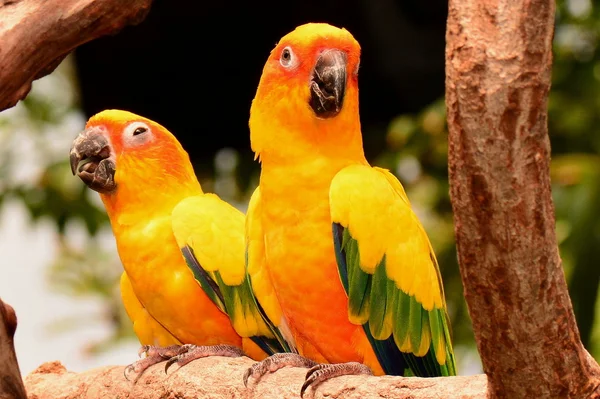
column 288, row 134
column 304, row 179
column 148, row 187
column 294, row 148
column 127, row 207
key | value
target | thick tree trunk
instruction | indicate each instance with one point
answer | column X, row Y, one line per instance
column 36, row 36
column 498, row 70
column 11, row 385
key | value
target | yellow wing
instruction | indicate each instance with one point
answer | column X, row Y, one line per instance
column 210, row 233
column 390, row 273
column 146, row 328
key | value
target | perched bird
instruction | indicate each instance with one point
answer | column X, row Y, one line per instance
column 350, row 264
column 184, row 284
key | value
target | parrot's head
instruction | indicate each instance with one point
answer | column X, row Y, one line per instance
column 121, row 151
column 309, row 85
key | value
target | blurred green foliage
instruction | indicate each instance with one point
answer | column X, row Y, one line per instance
column 35, row 138
column 416, row 151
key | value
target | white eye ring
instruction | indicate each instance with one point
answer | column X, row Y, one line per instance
column 287, row 58
column 136, row 128
column 137, row 133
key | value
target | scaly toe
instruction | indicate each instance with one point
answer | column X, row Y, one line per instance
column 193, row 352
column 324, row 372
column 274, row 363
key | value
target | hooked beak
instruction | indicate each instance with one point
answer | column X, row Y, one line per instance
column 328, row 83
column 98, row 169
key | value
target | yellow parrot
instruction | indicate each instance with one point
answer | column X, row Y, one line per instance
column 351, row 271
column 184, row 284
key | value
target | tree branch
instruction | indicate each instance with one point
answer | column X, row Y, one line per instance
column 218, row 377
column 498, row 74
column 11, row 385
column 36, row 36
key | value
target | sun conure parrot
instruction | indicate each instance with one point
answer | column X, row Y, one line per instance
column 182, row 250
column 351, row 265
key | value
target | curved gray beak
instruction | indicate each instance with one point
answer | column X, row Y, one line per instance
column 91, row 159
column 328, row 83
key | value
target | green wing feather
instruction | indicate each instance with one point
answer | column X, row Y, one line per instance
column 210, row 234
column 394, row 290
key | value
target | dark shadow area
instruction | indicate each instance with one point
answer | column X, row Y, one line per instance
column 194, row 66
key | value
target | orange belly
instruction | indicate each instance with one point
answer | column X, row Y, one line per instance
column 302, row 265
column 166, row 288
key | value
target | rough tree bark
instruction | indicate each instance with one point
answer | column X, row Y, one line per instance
column 11, row 385
column 35, row 36
column 498, row 70
column 221, row 378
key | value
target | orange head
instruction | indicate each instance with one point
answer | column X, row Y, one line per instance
column 121, row 154
column 308, row 93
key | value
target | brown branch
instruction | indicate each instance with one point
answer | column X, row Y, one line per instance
column 35, row 36
column 498, row 70
column 11, row 385
column 219, row 377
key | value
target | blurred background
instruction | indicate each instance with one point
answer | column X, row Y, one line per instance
column 194, row 67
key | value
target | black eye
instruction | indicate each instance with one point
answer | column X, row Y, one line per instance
column 286, row 57
column 139, row 130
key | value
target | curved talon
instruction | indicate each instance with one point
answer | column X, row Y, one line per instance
column 304, row 388
column 144, row 349
column 128, row 370
column 310, row 378
column 249, row 372
column 246, row 376
column 170, row 362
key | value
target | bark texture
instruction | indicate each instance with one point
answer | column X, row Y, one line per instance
column 498, row 74
column 11, row 385
column 221, row 378
column 36, row 36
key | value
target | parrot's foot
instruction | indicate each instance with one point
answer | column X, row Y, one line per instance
column 193, row 352
column 276, row 362
column 154, row 354
column 322, row 372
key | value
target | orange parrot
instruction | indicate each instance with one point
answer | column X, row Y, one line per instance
column 349, row 264
column 184, row 284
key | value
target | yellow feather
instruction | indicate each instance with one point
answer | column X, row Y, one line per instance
column 405, row 346
column 440, row 350
column 425, row 341
column 215, row 230
column 373, row 205
column 146, row 328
